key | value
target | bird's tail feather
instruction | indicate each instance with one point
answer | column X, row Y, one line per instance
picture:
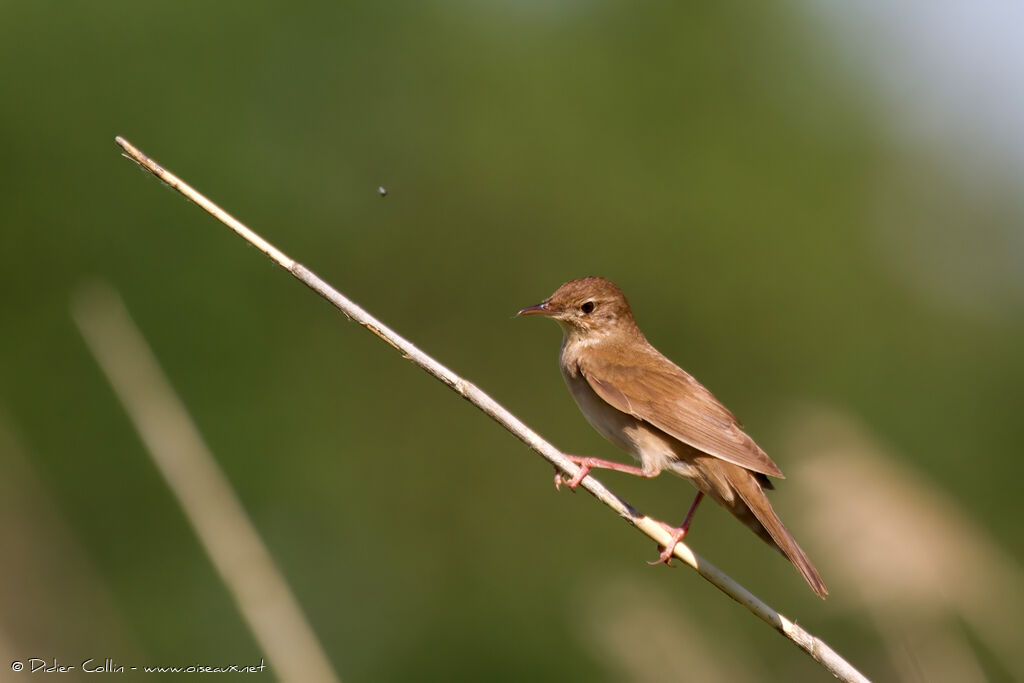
column 773, row 530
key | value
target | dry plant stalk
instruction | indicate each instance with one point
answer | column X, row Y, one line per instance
column 206, row 496
column 812, row 645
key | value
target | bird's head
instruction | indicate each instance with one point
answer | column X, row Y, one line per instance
column 586, row 307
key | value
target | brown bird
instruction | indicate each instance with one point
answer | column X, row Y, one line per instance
column 651, row 408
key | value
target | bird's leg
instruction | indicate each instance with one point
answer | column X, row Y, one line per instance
column 678, row 534
column 587, row 464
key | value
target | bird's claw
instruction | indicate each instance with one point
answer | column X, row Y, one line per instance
column 667, row 553
column 665, row 557
column 572, row 483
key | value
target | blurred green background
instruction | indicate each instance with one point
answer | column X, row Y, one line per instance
column 810, row 247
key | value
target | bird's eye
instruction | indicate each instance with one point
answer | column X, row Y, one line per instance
column 587, row 307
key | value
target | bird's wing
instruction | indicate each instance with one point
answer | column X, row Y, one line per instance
column 667, row 397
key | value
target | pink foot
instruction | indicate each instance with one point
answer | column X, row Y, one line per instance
column 587, row 464
column 667, row 553
column 678, row 534
column 575, row 481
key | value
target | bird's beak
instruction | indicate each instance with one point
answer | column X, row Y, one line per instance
column 539, row 309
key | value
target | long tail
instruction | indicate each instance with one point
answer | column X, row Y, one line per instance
column 777, row 534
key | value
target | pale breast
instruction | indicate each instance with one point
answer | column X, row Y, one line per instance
column 652, row 447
